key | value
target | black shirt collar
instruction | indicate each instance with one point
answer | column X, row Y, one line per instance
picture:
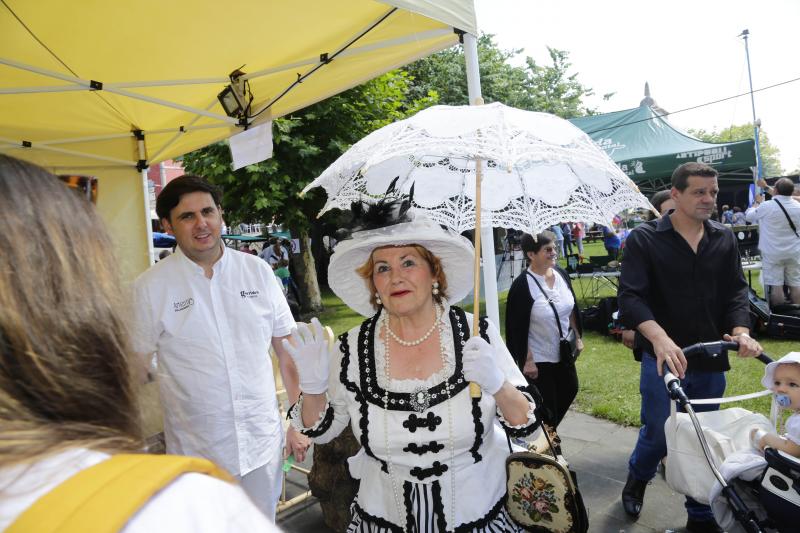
column 665, row 224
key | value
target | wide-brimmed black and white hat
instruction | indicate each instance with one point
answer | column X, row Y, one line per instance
column 453, row 250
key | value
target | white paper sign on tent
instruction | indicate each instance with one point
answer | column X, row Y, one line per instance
column 251, row 146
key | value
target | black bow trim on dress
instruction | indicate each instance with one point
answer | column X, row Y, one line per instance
column 431, row 421
column 363, row 408
column 483, row 331
column 438, row 507
column 422, row 449
column 390, row 210
column 436, row 469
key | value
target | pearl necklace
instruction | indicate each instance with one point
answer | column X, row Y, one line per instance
column 416, row 342
column 451, row 440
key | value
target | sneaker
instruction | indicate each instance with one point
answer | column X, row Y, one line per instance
column 702, row 526
column 633, row 496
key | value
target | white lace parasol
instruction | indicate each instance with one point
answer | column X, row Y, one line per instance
column 538, row 169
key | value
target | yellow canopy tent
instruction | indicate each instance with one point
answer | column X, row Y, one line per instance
column 108, row 88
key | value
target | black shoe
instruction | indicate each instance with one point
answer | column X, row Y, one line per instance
column 702, row 526
column 633, row 496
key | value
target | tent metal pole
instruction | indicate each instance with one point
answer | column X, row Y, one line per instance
column 756, row 122
column 87, row 139
column 113, row 136
column 173, row 105
column 180, row 132
column 168, row 83
column 87, row 84
column 328, row 56
column 43, row 89
column 148, row 225
column 44, row 72
column 187, row 128
column 487, row 235
column 37, row 146
column 421, row 36
column 122, row 85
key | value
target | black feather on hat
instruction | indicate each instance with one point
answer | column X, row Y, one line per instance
column 389, row 210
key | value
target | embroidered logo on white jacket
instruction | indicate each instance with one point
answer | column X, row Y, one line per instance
column 183, row 304
column 249, row 294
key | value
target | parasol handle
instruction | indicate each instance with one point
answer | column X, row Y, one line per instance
column 474, row 388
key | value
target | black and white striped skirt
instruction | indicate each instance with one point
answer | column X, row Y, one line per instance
column 425, row 514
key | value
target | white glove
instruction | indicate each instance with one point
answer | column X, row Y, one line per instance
column 480, row 365
column 310, row 350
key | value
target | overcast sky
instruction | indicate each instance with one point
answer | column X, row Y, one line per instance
column 689, row 52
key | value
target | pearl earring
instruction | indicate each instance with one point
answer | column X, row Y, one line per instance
column 435, row 290
column 378, row 298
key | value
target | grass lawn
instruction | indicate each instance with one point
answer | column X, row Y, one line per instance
column 608, row 374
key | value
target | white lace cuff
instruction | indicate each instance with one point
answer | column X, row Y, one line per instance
column 527, row 427
column 295, row 416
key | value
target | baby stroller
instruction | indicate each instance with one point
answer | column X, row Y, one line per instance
column 770, row 501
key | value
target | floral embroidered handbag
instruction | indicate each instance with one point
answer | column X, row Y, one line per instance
column 542, row 492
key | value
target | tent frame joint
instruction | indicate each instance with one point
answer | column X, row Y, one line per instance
column 95, row 85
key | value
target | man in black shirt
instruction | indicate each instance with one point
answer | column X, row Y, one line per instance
column 681, row 283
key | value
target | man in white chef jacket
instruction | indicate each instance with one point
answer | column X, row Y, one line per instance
column 210, row 314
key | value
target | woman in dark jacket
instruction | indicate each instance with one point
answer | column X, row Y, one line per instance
column 532, row 333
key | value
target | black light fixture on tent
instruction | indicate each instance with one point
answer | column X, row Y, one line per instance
column 236, row 98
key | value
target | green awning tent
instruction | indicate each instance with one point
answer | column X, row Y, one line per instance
column 648, row 148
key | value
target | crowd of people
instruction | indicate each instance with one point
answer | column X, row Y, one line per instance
column 432, row 453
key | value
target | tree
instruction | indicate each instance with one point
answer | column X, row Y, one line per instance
column 548, row 88
column 553, row 90
column 770, row 155
column 305, row 143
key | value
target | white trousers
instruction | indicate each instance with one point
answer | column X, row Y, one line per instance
column 264, row 484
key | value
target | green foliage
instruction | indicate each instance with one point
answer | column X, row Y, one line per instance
column 555, row 91
column 305, row 143
column 548, row 88
column 770, row 154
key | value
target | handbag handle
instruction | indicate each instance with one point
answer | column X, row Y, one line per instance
column 555, row 312
column 546, row 436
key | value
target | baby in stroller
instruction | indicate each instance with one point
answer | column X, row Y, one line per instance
column 767, row 477
column 782, row 377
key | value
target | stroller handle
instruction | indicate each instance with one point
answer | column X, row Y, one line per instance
column 711, row 350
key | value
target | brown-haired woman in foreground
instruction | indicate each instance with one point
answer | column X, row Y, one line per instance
column 67, row 400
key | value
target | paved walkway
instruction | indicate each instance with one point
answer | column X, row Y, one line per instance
column 598, row 450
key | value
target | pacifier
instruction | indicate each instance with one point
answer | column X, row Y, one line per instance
column 783, row 400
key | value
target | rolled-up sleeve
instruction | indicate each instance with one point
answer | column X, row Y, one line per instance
column 738, row 306
column 634, row 283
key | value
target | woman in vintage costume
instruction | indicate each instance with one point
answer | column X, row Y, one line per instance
column 432, row 458
column 542, row 292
